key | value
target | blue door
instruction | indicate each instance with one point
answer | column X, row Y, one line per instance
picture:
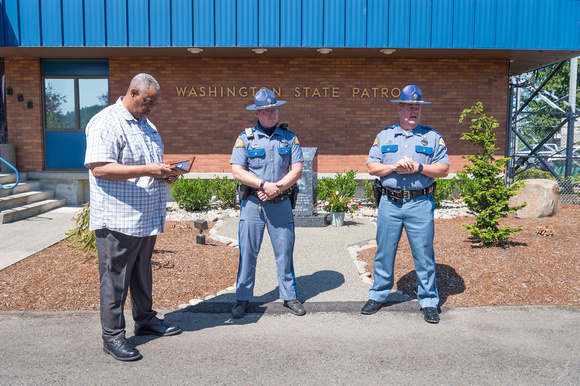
column 74, row 91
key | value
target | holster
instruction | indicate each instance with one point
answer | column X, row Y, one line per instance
column 377, row 191
column 242, row 192
column 293, row 193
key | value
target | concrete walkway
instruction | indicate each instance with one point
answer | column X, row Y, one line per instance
column 25, row 237
column 332, row 344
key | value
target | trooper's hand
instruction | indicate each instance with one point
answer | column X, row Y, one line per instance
column 405, row 166
column 270, row 189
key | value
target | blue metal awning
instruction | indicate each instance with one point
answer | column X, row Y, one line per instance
column 532, row 33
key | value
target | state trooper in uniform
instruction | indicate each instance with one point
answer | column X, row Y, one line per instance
column 407, row 157
column 267, row 160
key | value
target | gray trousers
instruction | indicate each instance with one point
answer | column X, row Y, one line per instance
column 124, row 263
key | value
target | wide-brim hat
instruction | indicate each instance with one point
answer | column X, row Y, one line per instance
column 264, row 99
column 411, row 94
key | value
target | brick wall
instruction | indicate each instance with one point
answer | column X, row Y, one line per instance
column 25, row 125
column 323, row 107
column 342, row 125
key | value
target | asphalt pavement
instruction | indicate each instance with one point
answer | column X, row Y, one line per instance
column 332, row 344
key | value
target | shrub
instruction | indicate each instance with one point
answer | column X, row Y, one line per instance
column 368, row 191
column 444, row 191
column 192, row 194
column 488, row 196
column 531, row 174
column 225, row 191
column 464, row 184
column 80, row 237
column 343, row 183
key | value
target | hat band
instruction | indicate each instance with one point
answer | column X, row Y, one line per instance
column 266, row 106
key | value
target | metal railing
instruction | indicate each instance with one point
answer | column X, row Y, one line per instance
column 2, row 160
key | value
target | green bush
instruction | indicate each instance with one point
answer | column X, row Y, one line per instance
column 368, row 190
column 464, row 184
column 531, row 174
column 192, row 194
column 342, row 183
column 444, row 191
column 225, row 191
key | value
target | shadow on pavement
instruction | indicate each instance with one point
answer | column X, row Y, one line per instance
column 220, row 307
column 448, row 283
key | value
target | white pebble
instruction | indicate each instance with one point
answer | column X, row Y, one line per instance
column 367, row 280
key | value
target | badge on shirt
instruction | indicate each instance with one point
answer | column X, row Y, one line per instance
column 239, row 143
column 284, row 143
column 255, row 146
column 296, row 141
column 424, row 141
column 441, row 141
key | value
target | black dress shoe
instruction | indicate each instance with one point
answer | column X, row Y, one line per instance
column 431, row 314
column 295, row 306
column 160, row 328
column 239, row 310
column 121, row 350
column 371, row 307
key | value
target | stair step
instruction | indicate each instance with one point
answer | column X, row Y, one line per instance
column 28, row 210
column 8, row 179
column 24, row 198
column 22, row 187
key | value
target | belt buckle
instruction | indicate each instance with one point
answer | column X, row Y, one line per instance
column 406, row 194
column 394, row 198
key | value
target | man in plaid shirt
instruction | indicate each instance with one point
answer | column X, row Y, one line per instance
column 128, row 201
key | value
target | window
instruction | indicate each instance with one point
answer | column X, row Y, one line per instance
column 73, row 94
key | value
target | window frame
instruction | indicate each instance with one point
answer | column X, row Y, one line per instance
column 76, row 79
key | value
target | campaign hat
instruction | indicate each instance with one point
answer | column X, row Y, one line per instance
column 411, row 94
column 264, row 99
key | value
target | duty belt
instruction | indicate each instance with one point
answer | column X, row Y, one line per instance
column 279, row 198
column 399, row 195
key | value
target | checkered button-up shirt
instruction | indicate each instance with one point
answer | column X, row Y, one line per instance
column 136, row 206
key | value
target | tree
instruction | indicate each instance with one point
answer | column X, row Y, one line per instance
column 488, row 195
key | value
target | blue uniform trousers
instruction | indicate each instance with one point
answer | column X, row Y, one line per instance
column 280, row 221
column 416, row 216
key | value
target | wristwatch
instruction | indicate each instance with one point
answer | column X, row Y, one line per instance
column 420, row 168
column 262, row 184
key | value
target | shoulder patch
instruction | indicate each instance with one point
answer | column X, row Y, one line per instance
column 376, row 141
column 296, row 141
column 239, row 143
column 441, row 141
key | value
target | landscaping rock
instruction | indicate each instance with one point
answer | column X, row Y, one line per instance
column 541, row 196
